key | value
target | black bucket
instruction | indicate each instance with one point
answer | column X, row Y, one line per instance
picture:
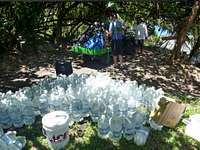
column 63, row 67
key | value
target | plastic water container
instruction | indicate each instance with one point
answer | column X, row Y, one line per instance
column 1, row 132
column 5, row 121
column 3, row 145
column 129, row 129
column 95, row 111
column 116, row 127
column 55, row 128
column 85, row 107
column 103, row 127
column 75, row 110
column 7, row 139
column 20, row 142
column 12, row 147
column 138, row 119
column 141, row 136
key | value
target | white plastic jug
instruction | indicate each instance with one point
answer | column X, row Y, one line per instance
column 116, row 126
column 193, row 126
column 55, row 128
column 129, row 129
column 141, row 136
column 3, row 145
column 103, row 127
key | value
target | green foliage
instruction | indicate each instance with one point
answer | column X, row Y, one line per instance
column 6, row 27
column 67, row 20
column 27, row 16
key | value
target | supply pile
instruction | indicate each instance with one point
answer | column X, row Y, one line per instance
column 119, row 108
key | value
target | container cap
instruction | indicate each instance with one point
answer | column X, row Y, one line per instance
column 55, row 119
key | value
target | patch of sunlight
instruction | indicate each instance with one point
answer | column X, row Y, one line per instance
column 173, row 139
column 193, row 108
column 43, row 71
column 22, row 79
column 24, row 68
column 88, row 134
column 139, row 68
column 29, row 143
column 149, row 76
column 42, row 140
column 162, row 68
column 79, row 140
column 176, row 148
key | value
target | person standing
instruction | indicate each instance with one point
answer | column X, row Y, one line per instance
column 141, row 33
column 116, row 31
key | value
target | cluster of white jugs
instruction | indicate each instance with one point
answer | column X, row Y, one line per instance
column 9, row 141
column 119, row 108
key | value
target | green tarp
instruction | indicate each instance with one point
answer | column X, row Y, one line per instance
column 88, row 51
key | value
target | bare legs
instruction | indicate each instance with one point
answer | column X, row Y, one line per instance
column 115, row 60
column 120, row 59
column 117, row 49
column 141, row 49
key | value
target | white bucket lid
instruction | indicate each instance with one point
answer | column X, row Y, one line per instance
column 55, row 119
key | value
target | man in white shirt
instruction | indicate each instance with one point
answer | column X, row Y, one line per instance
column 141, row 33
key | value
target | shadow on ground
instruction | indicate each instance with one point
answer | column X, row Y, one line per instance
column 149, row 68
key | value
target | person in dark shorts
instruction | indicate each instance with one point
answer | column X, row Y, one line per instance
column 140, row 44
column 116, row 31
column 141, row 34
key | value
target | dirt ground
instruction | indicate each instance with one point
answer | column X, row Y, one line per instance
column 150, row 68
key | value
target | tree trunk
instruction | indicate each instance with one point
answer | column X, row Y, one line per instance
column 58, row 28
column 183, row 29
column 195, row 48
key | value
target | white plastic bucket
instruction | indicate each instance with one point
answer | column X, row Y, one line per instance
column 55, row 128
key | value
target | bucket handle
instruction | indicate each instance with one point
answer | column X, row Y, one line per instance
column 186, row 121
column 61, row 116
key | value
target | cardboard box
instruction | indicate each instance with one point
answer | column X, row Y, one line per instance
column 168, row 113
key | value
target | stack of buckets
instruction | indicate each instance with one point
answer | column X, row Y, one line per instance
column 55, row 128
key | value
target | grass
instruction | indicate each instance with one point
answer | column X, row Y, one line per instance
column 84, row 136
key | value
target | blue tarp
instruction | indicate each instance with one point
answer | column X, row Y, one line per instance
column 96, row 42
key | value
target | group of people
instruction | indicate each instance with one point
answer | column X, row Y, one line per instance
column 116, row 34
column 111, row 34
